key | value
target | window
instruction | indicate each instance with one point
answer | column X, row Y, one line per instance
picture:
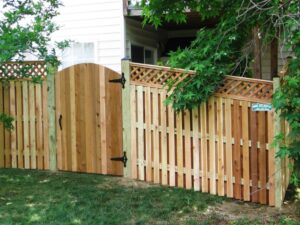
column 79, row 52
column 141, row 54
column 137, row 54
column 149, row 58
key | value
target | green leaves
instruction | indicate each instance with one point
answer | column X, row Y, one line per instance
column 287, row 101
column 211, row 55
column 7, row 121
column 25, row 28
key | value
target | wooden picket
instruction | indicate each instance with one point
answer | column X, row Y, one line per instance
column 222, row 147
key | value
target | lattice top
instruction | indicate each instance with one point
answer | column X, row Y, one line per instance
column 234, row 87
column 28, row 69
column 156, row 76
column 245, row 88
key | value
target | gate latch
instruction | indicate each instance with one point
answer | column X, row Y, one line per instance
column 121, row 159
column 121, row 80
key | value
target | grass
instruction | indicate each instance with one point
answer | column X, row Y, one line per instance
column 39, row 197
column 32, row 197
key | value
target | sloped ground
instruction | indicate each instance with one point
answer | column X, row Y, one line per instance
column 32, row 197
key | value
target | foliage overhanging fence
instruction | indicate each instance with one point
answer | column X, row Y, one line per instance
column 221, row 147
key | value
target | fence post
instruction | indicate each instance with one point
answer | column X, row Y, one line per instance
column 278, row 160
column 51, row 71
column 126, row 116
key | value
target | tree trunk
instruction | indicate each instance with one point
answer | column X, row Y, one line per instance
column 257, row 53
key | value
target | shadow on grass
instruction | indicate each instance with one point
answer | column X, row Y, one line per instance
column 32, row 197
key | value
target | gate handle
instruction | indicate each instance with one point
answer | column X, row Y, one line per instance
column 59, row 121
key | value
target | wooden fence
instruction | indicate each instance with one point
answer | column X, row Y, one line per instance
column 26, row 145
column 221, row 147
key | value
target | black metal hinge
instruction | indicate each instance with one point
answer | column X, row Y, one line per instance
column 123, row 159
column 121, row 80
column 60, row 121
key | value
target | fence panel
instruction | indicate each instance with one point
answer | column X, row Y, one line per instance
column 222, row 147
column 24, row 146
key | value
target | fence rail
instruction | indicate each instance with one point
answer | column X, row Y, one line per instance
column 222, row 147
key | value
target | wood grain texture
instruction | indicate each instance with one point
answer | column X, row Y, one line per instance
column 179, row 148
column 196, row 151
column 45, row 125
column 133, row 112
column 262, row 157
column 164, row 140
column 229, row 146
column 26, row 125
column 253, row 157
column 89, row 109
column 171, row 146
column 188, row 150
column 32, row 132
column 140, row 132
column 212, row 146
column 204, row 147
column 237, row 149
column 51, row 117
column 221, row 161
column 156, row 153
column 7, row 136
column 126, row 119
column 39, row 126
column 13, row 141
column 19, row 127
column 246, row 152
column 148, row 137
column 271, row 160
column 58, row 128
column 22, row 147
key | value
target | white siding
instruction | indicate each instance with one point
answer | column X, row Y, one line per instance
column 100, row 22
column 283, row 53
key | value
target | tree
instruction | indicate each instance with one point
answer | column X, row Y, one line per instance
column 226, row 49
column 25, row 29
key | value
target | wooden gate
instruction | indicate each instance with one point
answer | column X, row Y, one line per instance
column 89, row 120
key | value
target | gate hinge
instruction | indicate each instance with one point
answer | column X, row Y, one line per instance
column 121, row 80
column 123, row 159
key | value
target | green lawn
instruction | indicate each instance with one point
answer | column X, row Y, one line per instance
column 31, row 197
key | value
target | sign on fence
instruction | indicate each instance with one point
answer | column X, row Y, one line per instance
column 258, row 107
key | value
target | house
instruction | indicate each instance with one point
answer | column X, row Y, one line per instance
column 106, row 31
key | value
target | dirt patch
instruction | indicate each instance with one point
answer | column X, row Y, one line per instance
column 227, row 213
column 112, row 182
column 235, row 211
column 129, row 183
